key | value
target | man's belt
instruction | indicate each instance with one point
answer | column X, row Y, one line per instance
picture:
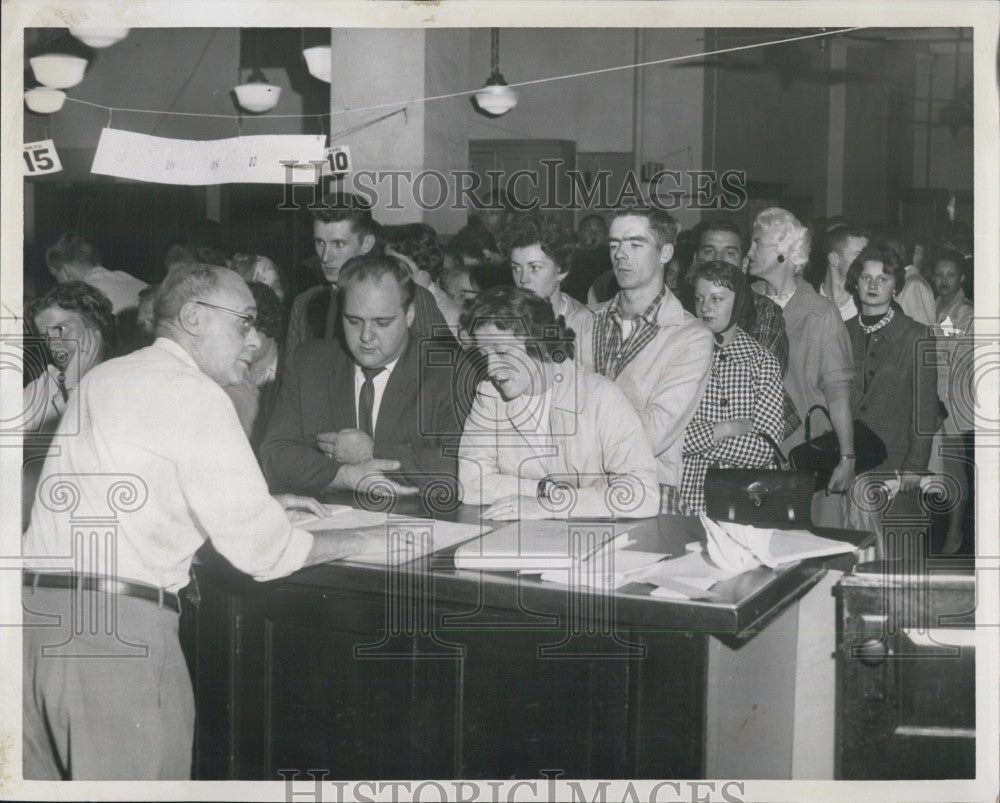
column 88, row 582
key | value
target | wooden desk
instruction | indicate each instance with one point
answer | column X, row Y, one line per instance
column 426, row 671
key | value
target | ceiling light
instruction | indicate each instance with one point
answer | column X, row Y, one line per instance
column 257, row 95
column 496, row 98
column 57, row 70
column 99, row 37
column 42, row 100
column 318, row 61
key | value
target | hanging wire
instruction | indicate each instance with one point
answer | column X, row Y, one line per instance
column 466, row 92
column 494, row 50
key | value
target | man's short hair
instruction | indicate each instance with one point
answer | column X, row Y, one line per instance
column 71, row 248
column 835, row 238
column 593, row 216
column 373, row 267
column 663, row 226
column 943, row 253
column 721, row 224
column 338, row 206
column 187, row 282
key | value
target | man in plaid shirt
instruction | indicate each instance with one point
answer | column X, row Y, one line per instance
column 657, row 353
column 721, row 239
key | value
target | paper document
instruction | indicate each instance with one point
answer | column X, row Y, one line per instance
column 406, row 537
column 609, row 569
column 539, row 545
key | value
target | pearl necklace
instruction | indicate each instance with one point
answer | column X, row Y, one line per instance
column 885, row 320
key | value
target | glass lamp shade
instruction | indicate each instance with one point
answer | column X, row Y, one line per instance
column 99, row 37
column 257, row 97
column 42, row 100
column 496, row 98
column 57, row 70
column 318, row 61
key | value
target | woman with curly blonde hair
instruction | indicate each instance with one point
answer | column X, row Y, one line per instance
column 820, row 361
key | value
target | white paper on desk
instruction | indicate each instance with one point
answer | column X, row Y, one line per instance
column 412, row 537
column 339, row 517
column 615, row 569
column 537, row 546
column 691, row 570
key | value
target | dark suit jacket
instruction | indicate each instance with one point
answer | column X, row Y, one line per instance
column 896, row 389
column 416, row 420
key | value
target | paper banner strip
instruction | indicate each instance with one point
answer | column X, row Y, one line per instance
column 241, row 160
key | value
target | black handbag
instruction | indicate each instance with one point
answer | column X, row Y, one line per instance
column 760, row 497
column 822, row 453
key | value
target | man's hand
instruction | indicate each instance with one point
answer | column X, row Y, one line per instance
column 346, row 446
column 298, row 507
column 841, row 478
column 514, row 507
column 732, row 428
column 369, row 477
column 908, row 481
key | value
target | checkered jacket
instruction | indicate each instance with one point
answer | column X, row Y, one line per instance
column 745, row 382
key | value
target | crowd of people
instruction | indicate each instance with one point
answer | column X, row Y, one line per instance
column 536, row 371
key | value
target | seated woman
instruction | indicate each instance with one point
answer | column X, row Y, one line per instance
column 546, row 438
column 541, row 254
column 79, row 328
column 896, row 390
column 743, row 399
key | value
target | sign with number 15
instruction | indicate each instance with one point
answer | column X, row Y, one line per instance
column 41, row 157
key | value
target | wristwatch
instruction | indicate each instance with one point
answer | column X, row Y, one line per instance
column 545, row 487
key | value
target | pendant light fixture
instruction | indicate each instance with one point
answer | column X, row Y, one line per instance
column 58, row 70
column 43, row 100
column 257, row 95
column 99, row 37
column 496, row 98
column 318, row 61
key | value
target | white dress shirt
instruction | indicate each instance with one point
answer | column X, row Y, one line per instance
column 378, row 386
column 162, row 432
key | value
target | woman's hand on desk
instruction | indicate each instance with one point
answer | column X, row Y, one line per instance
column 511, row 508
column 295, row 506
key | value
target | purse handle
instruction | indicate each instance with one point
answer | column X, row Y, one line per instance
column 809, row 414
column 782, row 460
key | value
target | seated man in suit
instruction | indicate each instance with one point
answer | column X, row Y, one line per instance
column 364, row 412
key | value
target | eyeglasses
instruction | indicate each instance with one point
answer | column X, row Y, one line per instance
column 248, row 321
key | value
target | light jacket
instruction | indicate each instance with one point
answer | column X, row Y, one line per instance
column 664, row 382
column 595, row 443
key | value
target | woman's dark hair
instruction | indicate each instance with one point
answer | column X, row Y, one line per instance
column 472, row 240
column 556, row 242
column 731, row 277
column 875, row 252
column 270, row 315
column 521, row 312
column 418, row 242
column 89, row 303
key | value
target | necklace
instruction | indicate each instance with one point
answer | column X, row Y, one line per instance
column 883, row 321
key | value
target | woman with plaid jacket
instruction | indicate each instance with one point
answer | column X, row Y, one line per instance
column 743, row 398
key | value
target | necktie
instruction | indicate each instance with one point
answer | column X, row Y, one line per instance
column 366, row 401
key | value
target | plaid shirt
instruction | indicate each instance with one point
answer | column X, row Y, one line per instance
column 769, row 331
column 745, row 383
column 611, row 355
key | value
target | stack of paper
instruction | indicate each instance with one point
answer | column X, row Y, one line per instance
column 740, row 547
column 406, row 537
column 609, row 568
column 538, row 546
column 687, row 577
